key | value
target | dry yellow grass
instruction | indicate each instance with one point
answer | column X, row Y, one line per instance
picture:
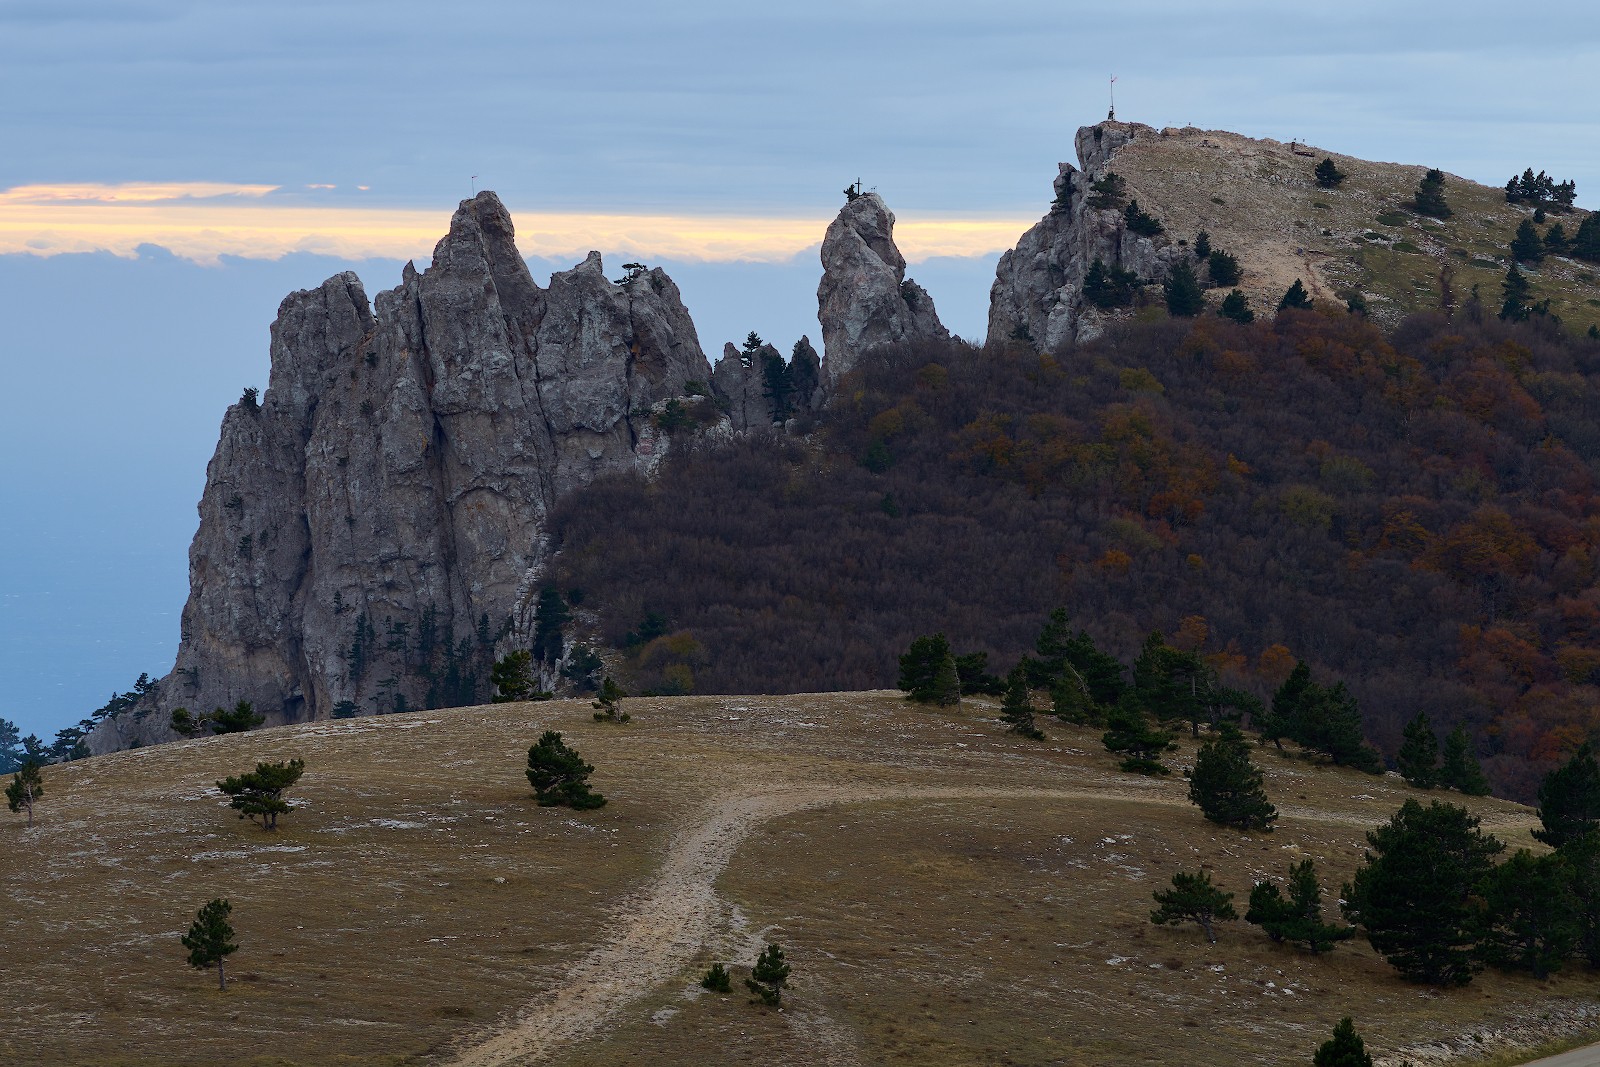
column 947, row 895
column 1260, row 201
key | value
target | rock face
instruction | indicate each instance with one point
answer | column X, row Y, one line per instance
column 759, row 390
column 1037, row 294
column 865, row 299
column 371, row 531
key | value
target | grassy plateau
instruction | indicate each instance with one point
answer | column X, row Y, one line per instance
column 946, row 893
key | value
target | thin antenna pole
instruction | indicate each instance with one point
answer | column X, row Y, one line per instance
column 474, row 185
column 1112, row 114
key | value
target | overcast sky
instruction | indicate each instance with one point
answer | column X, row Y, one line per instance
column 713, row 137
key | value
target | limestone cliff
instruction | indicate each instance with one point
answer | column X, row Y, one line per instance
column 865, row 299
column 370, row 532
column 1038, row 288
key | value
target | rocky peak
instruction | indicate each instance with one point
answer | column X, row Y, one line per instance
column 865, row 299
column 371, row 533
column 1037, row 296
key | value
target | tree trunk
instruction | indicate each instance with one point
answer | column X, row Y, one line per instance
column 1205, row 924
column 222, row 978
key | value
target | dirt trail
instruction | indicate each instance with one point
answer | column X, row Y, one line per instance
column 654, row 940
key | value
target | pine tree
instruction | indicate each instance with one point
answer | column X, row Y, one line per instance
column 1224, row 268
column 1518, row 294
column 1418, row 758
column 1429, row 199
column 1460, row 769
column 1227, row 787
column 512, row 677
column 551, row 616
column 608, row 703
column 210, row 939
column 972, row 670
column 1296, row 298
column 1202, row 246
column 1586, row 242
column 1193, row 898
column 1582, row 859
column 1018, row 710
column 1569, row 799
column 717, row 979
column 243, row 717
column 27, row 786
column 1064, row 656
column 1526, row 246
column 1344, row 1049
column 1413, row 897
column 1532, row 915
column 1282, row 719
column 928, row 672
column 10, row 747
column 1182, row 291
column 258, row 794
column 1556, row 240
column 1131, row 736
column 559, row 775
column 1297, row 918
column 1329, row 176
column 1236, row 306
column 769, row 976
column 1142, row 222
column 1107, row 192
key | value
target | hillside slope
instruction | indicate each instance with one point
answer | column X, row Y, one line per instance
column 947, row 894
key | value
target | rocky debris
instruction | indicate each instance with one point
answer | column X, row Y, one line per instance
column 1037, row 294
column 371, row 532
column 865, row 299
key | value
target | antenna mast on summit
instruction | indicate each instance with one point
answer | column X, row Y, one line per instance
column 1111, row 116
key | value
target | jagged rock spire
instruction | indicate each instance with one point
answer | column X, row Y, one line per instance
column 865, row 299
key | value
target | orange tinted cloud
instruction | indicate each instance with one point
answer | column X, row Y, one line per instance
column 202, row 225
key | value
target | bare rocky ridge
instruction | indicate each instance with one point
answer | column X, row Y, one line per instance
column 373, row 527
column 865, row 299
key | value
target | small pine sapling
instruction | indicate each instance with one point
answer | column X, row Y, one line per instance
column 1236, row 306
column 1202, row 246
column 1329, row 176
column 608, row 702
column 1128, row 734
column 1224, row 268
column 1227, row 787
column 1193, row 898
column 258, row 794
column 768, row 977
column 210, row 939
column 1017, row 710
column 1418, row 758
column 1429, row 198
column 1297, row 918
column 559, row 775
column 1459, row 769
column 717, row 979
column 1344, row 1049
column 26, row 787
column 1296, row 299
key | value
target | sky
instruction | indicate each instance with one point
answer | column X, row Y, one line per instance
column 172, row 169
